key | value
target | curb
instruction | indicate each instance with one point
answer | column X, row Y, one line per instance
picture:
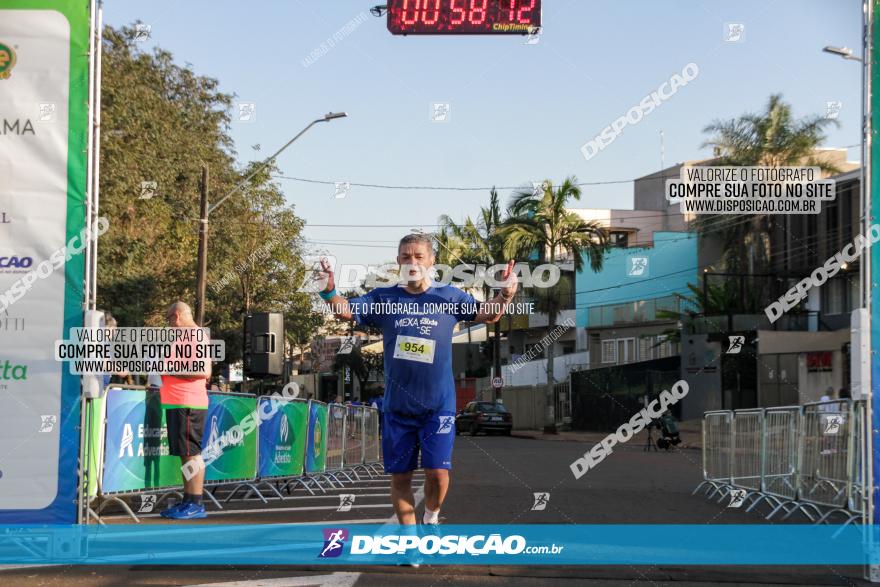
column 562, row 438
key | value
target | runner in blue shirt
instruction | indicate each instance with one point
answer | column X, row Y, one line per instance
column 417, row 318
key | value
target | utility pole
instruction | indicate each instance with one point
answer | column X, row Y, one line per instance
column 497, row 353
column 205, row 211
column 202, row 275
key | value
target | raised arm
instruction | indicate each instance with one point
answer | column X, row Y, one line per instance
column 338, row 304
column 496, row 306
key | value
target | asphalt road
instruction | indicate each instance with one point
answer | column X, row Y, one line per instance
column 493, row 482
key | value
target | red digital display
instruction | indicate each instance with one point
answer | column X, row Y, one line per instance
column 437, row 17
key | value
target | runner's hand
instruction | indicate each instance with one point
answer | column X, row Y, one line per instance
column 325, row 275
column 510, row 281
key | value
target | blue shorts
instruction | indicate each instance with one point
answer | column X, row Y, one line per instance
column 404, row 436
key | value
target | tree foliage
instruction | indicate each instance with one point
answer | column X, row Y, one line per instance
column 539, row 222
column 772, row 138
column 160, row 123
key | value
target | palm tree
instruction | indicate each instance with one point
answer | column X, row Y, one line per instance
column 475, row 243
column 772, row 138
column 539, row 222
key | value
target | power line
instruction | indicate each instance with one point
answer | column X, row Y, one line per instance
column 795, row 253
column 661, row 176
column 388, row 246
column 452, row 188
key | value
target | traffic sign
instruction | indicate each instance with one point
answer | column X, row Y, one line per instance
column 497, row 382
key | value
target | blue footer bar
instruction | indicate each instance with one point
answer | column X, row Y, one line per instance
column 536, row 544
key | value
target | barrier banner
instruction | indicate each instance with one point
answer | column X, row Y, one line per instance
column 136, row 443
column 316, row 442
column 44, row 88
column 283, row 437
column 229, row 444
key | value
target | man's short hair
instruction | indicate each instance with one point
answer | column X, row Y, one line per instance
column 417, row 238
column 182, row 307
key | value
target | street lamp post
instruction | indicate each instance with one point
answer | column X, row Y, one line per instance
column 206, row 209
column 862, row 336
column 865, row 162
column 844, row 52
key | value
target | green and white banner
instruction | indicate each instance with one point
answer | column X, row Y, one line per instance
column 44, row 127
column 283, row 437
column 229, row 444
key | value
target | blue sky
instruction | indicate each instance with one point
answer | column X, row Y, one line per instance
column 518, row 113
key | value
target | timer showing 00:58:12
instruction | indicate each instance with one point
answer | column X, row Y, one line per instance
column 428, row 17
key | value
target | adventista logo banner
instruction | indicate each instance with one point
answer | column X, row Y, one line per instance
column 283, row 437
column 136, row 443
column 44, row 58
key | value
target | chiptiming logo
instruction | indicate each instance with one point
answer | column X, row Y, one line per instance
column 7, row 60
column 334, row 541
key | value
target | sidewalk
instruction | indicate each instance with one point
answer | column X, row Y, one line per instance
column 690, row 432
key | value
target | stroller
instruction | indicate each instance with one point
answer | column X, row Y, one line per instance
column 668, row 428
column 669, row 431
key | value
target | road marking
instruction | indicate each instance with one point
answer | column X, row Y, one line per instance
column 334, row 522
column 276, row 500
column 200, row 530
column 332, row 580
column 266, row 510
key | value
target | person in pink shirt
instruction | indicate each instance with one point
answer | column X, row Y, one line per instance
column 185, row 401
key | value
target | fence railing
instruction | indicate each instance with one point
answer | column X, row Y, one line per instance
column 294, row 442
column 808, row 459
column 562, row 395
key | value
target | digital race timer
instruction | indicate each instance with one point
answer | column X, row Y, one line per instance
column 437, row 17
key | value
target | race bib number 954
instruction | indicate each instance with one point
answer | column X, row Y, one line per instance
column 412, row 348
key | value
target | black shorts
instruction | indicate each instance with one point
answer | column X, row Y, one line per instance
column 185, row 429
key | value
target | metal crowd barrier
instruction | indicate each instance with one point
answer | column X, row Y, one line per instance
column 343, row 444
column 827, row 462
column 372, row 445
column 781, row 443
column 270, row 473
column 748, row 450
column 108, row 484
column 245, row 478
column 336, row 441
column 353, row 455
column 717, row 448
column 807, row 459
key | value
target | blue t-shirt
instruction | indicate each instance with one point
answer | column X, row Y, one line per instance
column 417, row 340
